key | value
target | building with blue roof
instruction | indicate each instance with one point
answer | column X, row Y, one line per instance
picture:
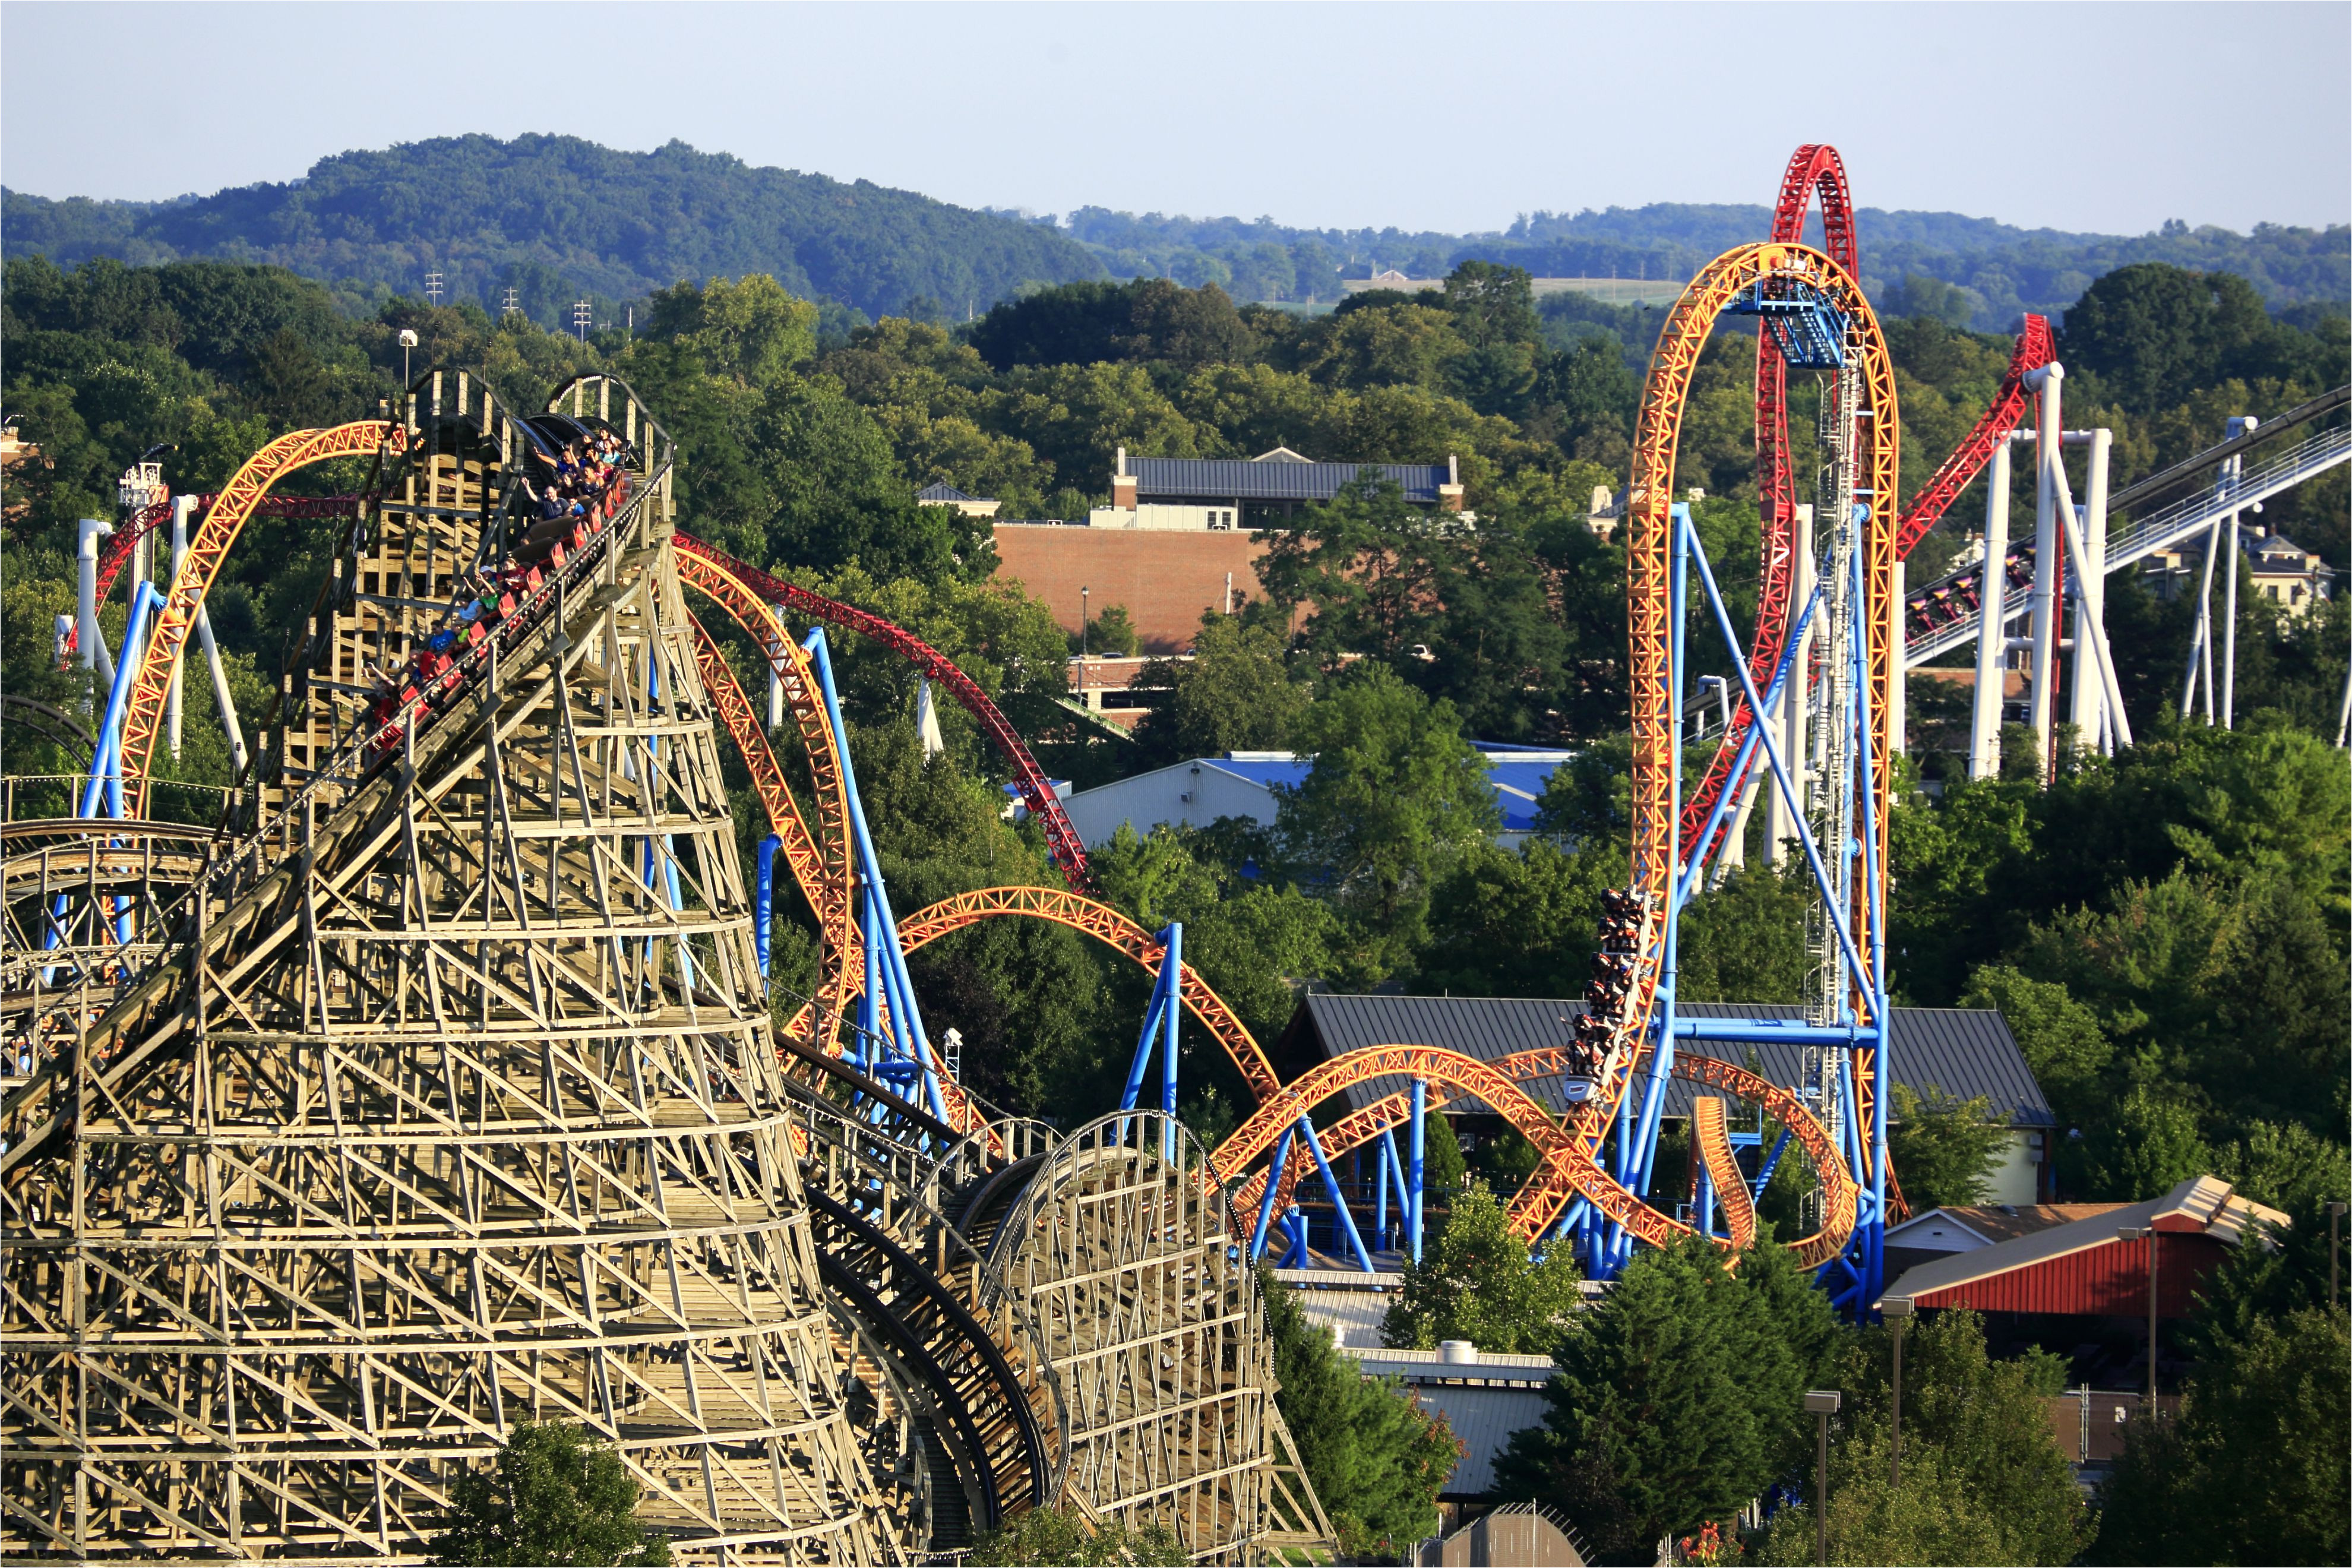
column 1241, row 784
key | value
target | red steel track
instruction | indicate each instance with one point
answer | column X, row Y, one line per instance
column 1817, row 168
column 1062, row 841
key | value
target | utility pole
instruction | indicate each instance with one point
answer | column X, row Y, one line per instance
column 1821, row 1404
column 433, row 289
column 2136, row 1233
column 582, row 313
column 1896, row 1310
column 2334, row 1217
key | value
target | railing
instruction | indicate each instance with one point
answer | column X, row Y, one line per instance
column 2144, row 536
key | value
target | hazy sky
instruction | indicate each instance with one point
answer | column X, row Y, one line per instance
column 2108, row 117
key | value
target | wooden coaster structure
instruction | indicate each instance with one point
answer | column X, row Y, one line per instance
column 437, row 1089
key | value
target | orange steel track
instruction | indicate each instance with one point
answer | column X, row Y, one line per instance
column 1649, row 541
column 239, row 499
column 1099, row 920
column 1711, row 1134
column 1391, row 1113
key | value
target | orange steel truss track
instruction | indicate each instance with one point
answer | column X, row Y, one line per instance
column 239, row 500
column 1649, row 546
column 1106, row 924
column 1392, row 1111
column 1569, row 1164
column 1711, row 1135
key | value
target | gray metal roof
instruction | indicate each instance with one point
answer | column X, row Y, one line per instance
column 1483, row 1420
column 942, row 491
column 1207, row 478
column 1961, row 1051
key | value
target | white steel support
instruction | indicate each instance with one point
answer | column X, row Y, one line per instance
column 2087, row 704
column 230, row 726
column 1984, row 709
column 2232, row 473
column 775, row 701
column 94, row 654
column 2050, row 457
column 1780, row 816
column 2102, row 666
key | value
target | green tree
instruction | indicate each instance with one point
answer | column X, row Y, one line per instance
column 1517, row 924
column 1932, row 1519
column 1232, row 695
column 1110, row 635
column 2153, row 333
column 1480, row 1283
column 1680, row 1346
column 1745, row 941
column 2141, row 1148
column 2060, row 1037
column 553, row 1496
column 1376, row 1460
column 1053, row 1538
column 1946, row 1147
column 1395, row 797
column 1983, row 1423
column 2251, row 1469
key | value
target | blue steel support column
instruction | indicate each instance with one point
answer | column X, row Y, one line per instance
column 1881, row 1054
column 1387, row 1152
column 1413, row 1188
column 1259, row 1235
column 891, row 957
column 1347, row 1221
column 764, row 931
column 1171, row 1009
column 106, row 766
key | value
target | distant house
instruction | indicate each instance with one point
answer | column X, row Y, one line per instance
column 2278, row 569
column 1197, row 494
column 1962, row 1051
column 1241, row 783
column 2288, row 574
column 944, row 494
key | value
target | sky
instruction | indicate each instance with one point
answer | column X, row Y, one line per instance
column 2107, row 118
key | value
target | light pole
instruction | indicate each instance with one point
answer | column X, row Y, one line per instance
column 1823, row 1404
column 407, row 342
column 1896, row 1310
column 2334, row 1214
column 2135, row 1233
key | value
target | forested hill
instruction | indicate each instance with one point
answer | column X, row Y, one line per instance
column 554, row 216
column 1998, row 269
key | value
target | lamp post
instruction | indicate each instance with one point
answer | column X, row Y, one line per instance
column 1896, row 1310
column 407, row 342
column 1821, row 1404
column 2334, row 1212
column 2136, row 1233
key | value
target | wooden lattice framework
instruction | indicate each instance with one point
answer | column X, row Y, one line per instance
column 444, row 1114
column 1138, row 1278
column 437, row 1090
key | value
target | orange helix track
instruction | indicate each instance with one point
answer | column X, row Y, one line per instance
column 1711, row 1134
column 238, row 500
column 1392, row 1112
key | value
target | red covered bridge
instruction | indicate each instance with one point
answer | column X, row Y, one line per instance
column 2085, row 1269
